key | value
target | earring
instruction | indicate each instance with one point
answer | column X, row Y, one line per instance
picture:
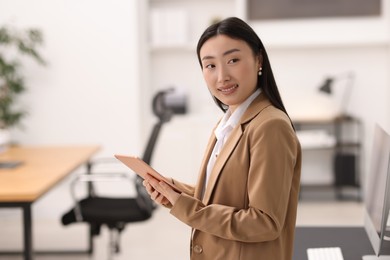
column 259, row 72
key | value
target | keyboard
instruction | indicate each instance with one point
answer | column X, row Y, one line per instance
column 325, row 253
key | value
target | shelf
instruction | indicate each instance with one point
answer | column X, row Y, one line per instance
column 348, row 144
column 316, row 139
column 316, row 148
column 322, row 120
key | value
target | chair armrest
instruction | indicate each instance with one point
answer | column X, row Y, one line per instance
column 104, row 160
column 98, row 177
column 89, row 178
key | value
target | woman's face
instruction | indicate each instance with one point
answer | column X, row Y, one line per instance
column 230, row 69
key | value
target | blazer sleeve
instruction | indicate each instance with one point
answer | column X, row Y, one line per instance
column 273, row 156
column 184, row 187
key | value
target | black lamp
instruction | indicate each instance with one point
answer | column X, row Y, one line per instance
column 327, row 87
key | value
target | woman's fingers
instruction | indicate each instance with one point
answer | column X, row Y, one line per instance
column 154, row 194
column 169, row 193
column 148, row 187
column 159, row 198
column 159, row 191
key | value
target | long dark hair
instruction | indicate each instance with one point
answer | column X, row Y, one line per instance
column 236, row 28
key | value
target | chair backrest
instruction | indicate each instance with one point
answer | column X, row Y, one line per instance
column 143, row 198
column 164, row 111
column 164, row 114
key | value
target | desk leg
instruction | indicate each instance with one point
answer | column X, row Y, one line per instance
column 91, row 192
column 27, row 231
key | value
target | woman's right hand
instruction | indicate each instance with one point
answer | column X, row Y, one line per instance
column 155, row 195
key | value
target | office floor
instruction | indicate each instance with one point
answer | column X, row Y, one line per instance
column 162, row 237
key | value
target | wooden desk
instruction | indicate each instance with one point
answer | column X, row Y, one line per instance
column 41, row 169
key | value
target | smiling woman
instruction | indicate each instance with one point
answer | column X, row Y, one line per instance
column 252, row 151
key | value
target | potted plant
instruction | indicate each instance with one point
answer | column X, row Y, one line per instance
column 14, row 44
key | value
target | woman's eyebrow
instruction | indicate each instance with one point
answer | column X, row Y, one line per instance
column 230, row 51
column 224, row 54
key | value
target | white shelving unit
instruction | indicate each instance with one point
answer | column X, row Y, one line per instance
column 338, row 142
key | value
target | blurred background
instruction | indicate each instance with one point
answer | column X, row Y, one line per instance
column 105, row 60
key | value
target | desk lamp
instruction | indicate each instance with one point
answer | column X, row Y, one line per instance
column 327, row 87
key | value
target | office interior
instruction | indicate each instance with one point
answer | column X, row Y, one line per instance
column 107, row 59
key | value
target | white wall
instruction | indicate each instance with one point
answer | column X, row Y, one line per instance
column 88, row 93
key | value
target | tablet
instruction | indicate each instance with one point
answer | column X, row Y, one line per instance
column 142, row 168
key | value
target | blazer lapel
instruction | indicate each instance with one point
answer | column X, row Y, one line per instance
column 221, row 160
column 203, row 167
column 254, row 108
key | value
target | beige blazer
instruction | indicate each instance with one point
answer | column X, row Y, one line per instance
column 249, row 207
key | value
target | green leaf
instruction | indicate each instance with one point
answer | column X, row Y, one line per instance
column 12, row 84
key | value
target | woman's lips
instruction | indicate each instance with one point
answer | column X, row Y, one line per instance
column 228, row 89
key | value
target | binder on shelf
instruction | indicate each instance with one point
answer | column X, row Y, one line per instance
column 169, row 27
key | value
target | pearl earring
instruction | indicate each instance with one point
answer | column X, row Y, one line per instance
column 260, row 71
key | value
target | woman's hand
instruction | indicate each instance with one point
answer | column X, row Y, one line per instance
column 159, row 191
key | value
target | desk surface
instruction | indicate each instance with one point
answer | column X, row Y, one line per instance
column 41, row 169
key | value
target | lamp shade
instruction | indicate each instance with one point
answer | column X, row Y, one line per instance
column 327, row 86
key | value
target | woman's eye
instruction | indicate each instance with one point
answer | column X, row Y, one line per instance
column 209, row 66
column 233, row 61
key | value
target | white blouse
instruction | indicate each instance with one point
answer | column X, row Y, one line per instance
column 224, row 129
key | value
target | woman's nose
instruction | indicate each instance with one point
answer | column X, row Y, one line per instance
column 223, row 75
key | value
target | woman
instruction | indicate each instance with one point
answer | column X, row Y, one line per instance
column 244, row 204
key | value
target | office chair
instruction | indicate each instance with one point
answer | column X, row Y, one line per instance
column 114, row 212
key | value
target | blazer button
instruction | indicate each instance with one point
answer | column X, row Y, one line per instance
column 198, row 249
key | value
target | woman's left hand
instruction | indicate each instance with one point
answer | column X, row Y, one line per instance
column 161, row 190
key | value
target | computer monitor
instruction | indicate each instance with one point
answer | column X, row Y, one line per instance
column 377, row 196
